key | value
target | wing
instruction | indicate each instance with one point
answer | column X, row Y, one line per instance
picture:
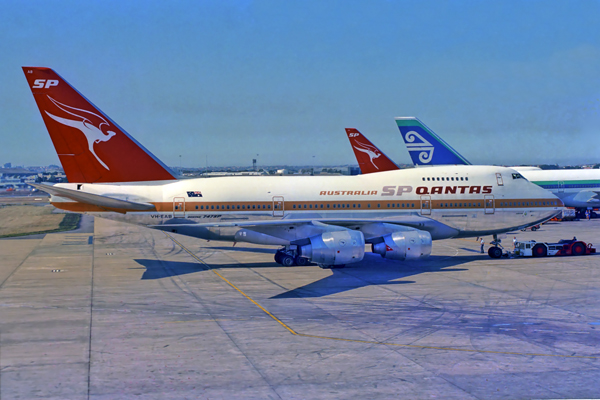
column 296, row 231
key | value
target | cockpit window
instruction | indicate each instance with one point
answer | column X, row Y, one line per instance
column 518, row 176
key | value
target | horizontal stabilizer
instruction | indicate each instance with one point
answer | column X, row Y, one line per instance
column 95, row 199
column 590, row 196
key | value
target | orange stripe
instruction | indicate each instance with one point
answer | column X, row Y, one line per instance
column 331, row 205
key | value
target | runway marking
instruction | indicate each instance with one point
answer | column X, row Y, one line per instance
column 414, row 346
column 231, row 284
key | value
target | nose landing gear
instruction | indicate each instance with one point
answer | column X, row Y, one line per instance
column 496, row 250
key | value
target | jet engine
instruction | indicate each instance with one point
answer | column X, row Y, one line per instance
column 335, row 248
column 406, row 245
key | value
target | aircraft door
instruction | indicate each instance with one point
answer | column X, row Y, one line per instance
column 561, row 187
column 178, row 207
column 499, row 179
column 278, row 204
column 489, row 204
column 425, row 205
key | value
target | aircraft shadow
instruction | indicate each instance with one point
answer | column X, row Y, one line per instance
column 245, row 249
column 157, row 269
column 471, row 250
column 373, row 270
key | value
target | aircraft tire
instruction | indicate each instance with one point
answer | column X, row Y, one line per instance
column 302, row 261
column 278, row 257
column 495, row 252
column 287, row 261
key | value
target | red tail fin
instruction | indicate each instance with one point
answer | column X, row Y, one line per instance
column 90, row 146
column 370, row 158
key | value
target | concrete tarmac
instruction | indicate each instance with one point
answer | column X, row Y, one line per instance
column 128, row 312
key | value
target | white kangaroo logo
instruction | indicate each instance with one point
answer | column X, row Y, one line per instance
column 369, row 150
column 92, row 133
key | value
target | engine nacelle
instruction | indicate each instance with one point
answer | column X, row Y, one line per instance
column 335, row 248
column 407, row 245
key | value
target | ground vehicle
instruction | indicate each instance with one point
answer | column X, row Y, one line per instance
column 572, row 247
column 567, row 214
column 533, row 228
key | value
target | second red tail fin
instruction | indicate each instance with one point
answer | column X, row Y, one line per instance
column 90, row 146
column 370, row 158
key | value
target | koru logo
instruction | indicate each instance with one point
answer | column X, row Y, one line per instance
column 44, row 83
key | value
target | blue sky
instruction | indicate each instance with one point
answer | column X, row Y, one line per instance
column 504, row 82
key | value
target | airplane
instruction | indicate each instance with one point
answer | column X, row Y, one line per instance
column 578, row 188
column 326, row 220
column 425, row 147
column 370, row 158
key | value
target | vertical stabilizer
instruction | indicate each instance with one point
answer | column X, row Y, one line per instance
column 90, row 146
column 424, row 146
column 370, row 158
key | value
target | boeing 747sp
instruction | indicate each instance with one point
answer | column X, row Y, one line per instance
column 323, row 219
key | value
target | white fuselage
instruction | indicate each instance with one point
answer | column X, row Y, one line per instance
column 578, row 188
column 455, row 201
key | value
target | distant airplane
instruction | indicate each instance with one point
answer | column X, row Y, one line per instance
column 323, row 219
column 576, row 188
column 370, row 158
column 425, row 147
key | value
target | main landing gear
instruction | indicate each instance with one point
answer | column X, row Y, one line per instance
column 496, row 250
column 289, row 258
